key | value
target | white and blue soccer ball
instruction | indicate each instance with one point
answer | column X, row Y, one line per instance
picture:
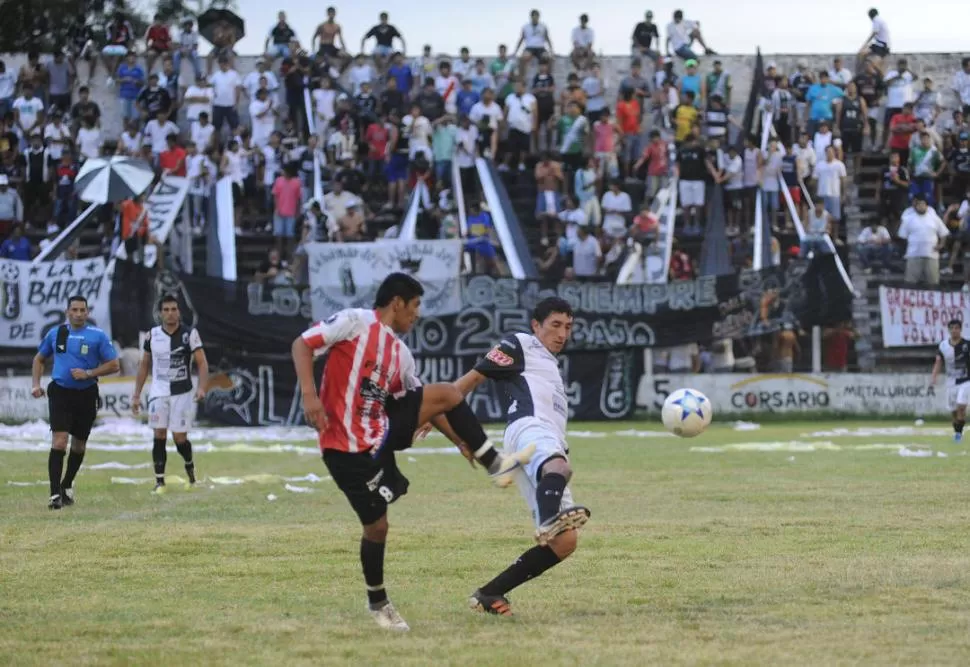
column 687, row 413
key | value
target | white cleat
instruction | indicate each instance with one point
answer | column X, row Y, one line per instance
column 505, row 475
column 571, row 518
column 388, row 618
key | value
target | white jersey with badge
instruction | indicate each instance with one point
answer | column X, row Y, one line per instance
column 530, row 381
column 956, row 359
column 171, row 360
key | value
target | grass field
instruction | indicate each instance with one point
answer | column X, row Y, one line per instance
column 833, row 548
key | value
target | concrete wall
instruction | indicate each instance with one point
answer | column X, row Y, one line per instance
column 940, row 66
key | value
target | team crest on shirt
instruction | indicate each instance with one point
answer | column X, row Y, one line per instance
column 499, row 358
column 185, row 338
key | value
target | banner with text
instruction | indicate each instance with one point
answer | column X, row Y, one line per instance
column 599, row 386
column 915, row 317
column 347, row 275
column 33, row 297
column 749, row 396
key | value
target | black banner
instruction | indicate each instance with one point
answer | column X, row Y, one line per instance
column 599, row 386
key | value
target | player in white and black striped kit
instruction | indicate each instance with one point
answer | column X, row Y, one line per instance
column 954, row 353
column 170, row 350
column 526, row 368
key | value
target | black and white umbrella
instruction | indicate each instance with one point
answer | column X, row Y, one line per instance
column 112, row 179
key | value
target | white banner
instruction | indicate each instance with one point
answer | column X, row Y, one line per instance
column 163, row 206
column 347, row 275
column 915, row 317
column 17, row 405
column 751, row 396
column 33, row 297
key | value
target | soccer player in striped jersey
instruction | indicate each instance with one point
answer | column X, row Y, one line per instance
column 370, row 404
column 526, row 368
column 954, row 354
column 169, row 352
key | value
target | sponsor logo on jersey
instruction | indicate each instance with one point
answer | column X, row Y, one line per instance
column 499, row 358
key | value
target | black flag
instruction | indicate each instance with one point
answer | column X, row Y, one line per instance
column 757, row 85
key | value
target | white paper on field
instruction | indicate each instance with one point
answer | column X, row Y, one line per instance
column 411, row 459
column 308, row 478
column 746, row 426
column 883, row 431
column 941, row 455
column 790, row 446
column 586, row 434
column 271, row 497
column 634, row 433
column 37, row 483
column 131, row 480
column 915, row 453
column 298, row 489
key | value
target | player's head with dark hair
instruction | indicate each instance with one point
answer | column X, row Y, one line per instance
column 77, row 311
column 955, row 327
column 168, row 309
column 873, row 13
column 400, row 296
column 552, row 323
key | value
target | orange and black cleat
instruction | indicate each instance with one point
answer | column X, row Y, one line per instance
column 490, row 604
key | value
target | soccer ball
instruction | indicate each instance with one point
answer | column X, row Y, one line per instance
column 687, row 413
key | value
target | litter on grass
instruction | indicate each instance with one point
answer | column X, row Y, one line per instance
column 746, row 426
column 879, row 431
column 298, row 489
column 115, row 465
column 790, row 446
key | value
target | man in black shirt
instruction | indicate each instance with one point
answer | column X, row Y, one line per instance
column 544, row 90
column 431, row 103
column 852, row 114
column 85, row 109
column 392, row 99
column 278, row 40
column 893, row 190
column 384, row 34
column 870, row 86
column 959, row 162
column 643, row 35
column 154, row 99
column 691, row 170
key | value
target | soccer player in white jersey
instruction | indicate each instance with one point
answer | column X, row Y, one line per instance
column 954, row 353
column 369, row 405
column 526, row 367
column 170, row 350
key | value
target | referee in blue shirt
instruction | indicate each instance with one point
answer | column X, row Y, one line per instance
column 81, row 354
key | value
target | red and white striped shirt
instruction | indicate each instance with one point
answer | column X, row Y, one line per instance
column 367, row 363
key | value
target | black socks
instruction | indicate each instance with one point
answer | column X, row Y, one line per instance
column 185, row 451
column 74, row 460
column 466, row 426
column 372, row 560
column 55, row 463
column 159, row 458
column 549, row 495
column 529, row 565
column 958, row 426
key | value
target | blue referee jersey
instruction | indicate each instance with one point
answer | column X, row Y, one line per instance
column 85, row 348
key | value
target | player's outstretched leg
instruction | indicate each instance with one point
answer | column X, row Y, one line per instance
column 372, row 561
column 184, row 448
column 159, row 459
column 75, row 458
column 459, row 423
column 559, row 537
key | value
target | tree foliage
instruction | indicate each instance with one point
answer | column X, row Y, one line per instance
column 45, row 25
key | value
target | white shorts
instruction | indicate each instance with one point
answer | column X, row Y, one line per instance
column 175, row 413
column 963, row 393
column 518, row 436
column 951, row 397
column 691, row 193
column 115, row 50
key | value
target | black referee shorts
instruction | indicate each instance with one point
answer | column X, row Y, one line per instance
column 72, row 410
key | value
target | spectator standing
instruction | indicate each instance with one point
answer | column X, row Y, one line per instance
column 446, row 85
column 821, row 97
column 870, row 87
column 89, row 140
column 877, row 44
column 522, row 118
column 443, row 138
column 28, row 112
column 535, row 38
column 926, row 164
column 818, row 225
column 544, row 90
column 287, row 193
column 718, row 82
column 226, row 88
column 617, row 207
column 692, row 173
column 960, row 85
column 11, row 207
column 172, row 161
column 893, row 192
column 61, row 81
column 901, row 130
column 656, row 158
column 772, row 160
column 783, row 111
column 837, row 340
column 628, row 122
column 587, row 254
column 255, row 80
column 958, row 162
column 188, row 47
column 467, row 98
column 157, row 131
column 8, row 87
column 549, row 186
column 731, row 176
column 85, row 109
column 830, row 175
column 57, row 137
column 636, row 85
column 874, row 247
column 582, row 40
column 401, row 73
column 926, row 106
column 899, row 92
column 462, row 67
column 153, row 99
column 131, row 79
column 65, row 202
column 586, row 185
column 120, row 40
column 924, row 233
column 197, row 100
column 852, row 114
column 839, row 75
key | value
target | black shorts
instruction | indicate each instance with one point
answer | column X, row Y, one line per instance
column 878, row 49
column 237, row 194
column 538, row 52
column 72, row 410
column 520, row 142
column 852, row 142
column 328, row 51
column 402, row 417
column 369, row 483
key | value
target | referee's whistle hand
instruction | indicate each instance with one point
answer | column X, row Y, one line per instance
column 80, row 374
column 37, row 392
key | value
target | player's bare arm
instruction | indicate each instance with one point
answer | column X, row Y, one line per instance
column 144, row 369
column 203, row 365
column 36, row 370
column 303, row 362
column 470, row 381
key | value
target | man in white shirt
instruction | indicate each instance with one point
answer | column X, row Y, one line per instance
column 522, row 117
column 463, row 67
column 251, row 83
column 823, row 140
column 874, row 247
column 587, row 254
column 360, row 73
column 324, row 107
column 487, row 115
column 446, row 84
column 8, row 88
column 616, row 206
column 28, row 113
column 466, row 150
column 535, row 38
column 924, row 232
column 899, row 92
column 582, row 39
column 960, row 85
column 227, row 87
column 157, row 131
column 877, row 43
column 262, row 114
column 57, row 136
column 89, row 140
column 417, row 129
column 830, row 175
column 202, row 132
column 681, row 34
column 197, row 99
column 731, row 175
column 839, row 75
